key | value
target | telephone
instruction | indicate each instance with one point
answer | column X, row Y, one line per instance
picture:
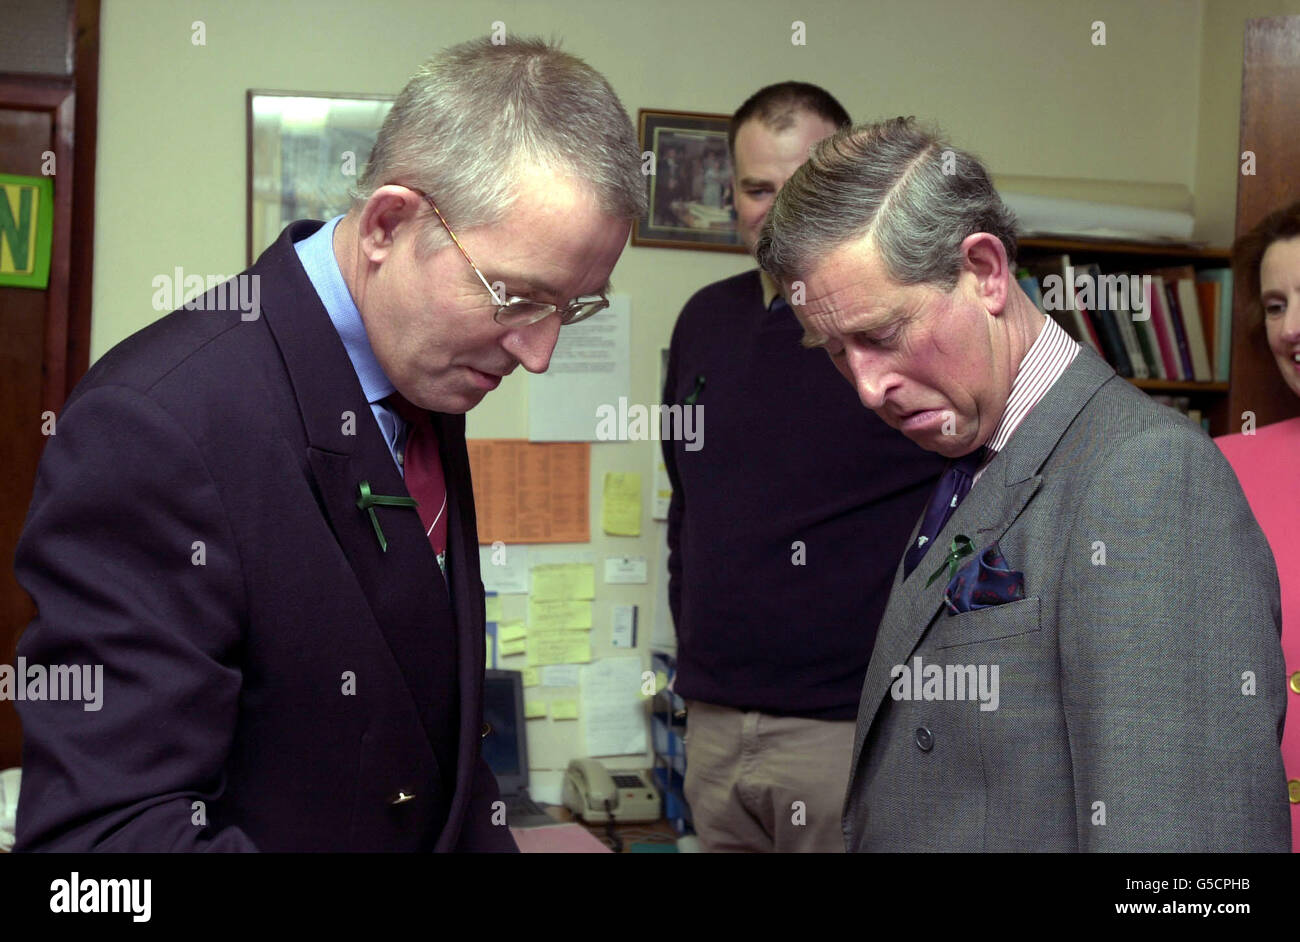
column 629, row 795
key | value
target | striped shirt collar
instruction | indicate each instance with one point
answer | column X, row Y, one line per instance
column 1048, row 357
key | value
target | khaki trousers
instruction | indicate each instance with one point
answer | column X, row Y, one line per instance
column 760, row 783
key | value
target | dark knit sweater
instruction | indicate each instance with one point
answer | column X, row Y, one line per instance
column 787, row 526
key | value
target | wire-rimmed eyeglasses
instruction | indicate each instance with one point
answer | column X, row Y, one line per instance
column 515, row 311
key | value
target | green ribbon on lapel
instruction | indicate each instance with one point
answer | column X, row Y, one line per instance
column 960, row 548
column 368, row 502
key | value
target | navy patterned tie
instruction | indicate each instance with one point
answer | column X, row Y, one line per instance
column 952, row 489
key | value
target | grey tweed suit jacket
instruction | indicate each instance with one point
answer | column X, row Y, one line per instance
column 1141, row 686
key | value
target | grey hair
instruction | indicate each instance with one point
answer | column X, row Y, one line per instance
column 916, row 197
column 475, row 116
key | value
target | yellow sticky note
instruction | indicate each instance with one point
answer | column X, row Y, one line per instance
column 488, row 639
column 564, row 709
column 493, row 604
column 564, row 581
column 620, row 506
column 530, row 677
column 510, row 648
column 511, row 631
column 552, row 616
column 534, row 709
column 558, row 647
column 661, row 680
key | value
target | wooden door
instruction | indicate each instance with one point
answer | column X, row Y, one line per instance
column 49, row 89
column 36, row 120
column 1270, row 115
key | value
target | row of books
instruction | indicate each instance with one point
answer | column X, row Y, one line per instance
column 1164, row 323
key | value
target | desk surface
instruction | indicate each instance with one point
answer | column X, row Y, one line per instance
column 660, row 831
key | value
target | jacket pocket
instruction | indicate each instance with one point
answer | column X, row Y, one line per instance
column 398, row 790
column 989, row 624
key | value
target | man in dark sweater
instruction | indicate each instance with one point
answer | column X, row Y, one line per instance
column 800, row 493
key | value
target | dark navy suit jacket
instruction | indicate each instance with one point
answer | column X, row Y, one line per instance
column 270, row 674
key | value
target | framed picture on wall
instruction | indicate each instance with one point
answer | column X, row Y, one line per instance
column 305, row 152
column 690, row 191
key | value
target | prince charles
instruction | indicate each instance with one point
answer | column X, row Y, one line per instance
column 1081, row 647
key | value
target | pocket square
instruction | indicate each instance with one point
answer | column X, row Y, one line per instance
column 984, row 581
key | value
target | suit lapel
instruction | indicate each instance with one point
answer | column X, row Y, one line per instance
column 1002, row 493
column 913, row 605
column 402, row 585
column 467, row 593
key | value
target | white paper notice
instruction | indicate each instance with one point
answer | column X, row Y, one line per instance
column 623, row 633
column 613, row 710
column 625, row 569
column 559, row 675
column 663, row 490
column 558, row 555
column 589, row 369
column 504, row 570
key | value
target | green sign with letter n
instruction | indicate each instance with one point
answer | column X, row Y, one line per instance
column 26, row 230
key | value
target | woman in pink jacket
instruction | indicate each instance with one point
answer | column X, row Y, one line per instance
column 1266, row 267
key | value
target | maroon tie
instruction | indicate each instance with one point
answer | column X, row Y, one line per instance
column 423, row 471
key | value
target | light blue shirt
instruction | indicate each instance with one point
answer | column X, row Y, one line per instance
column 316, row 252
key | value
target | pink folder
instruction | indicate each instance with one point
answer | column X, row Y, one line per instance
column 558, row 839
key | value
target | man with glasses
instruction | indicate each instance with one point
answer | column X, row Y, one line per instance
column 263, row 529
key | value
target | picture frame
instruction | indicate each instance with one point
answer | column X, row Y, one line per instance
column 305, row 152
column 690, row 203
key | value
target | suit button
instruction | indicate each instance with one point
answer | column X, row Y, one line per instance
column 1295, row 682
column 402, row 797
column 924, row 739
column 1293, row 790
column 487, row 728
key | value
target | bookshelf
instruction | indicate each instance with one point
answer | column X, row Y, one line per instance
column 1143, row 254
column 1178, row 386
column 1114, row 256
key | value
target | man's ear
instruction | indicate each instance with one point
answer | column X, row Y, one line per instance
column 389, row 209
column 984, row 256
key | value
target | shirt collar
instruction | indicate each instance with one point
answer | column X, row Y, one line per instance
column 1047, row 359
column 316, row 252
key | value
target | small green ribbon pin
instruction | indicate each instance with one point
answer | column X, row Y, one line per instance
column 368, row 502
column 695, row 393
column 960, row 548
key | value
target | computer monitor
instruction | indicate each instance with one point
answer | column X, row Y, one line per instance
column 506, row 747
